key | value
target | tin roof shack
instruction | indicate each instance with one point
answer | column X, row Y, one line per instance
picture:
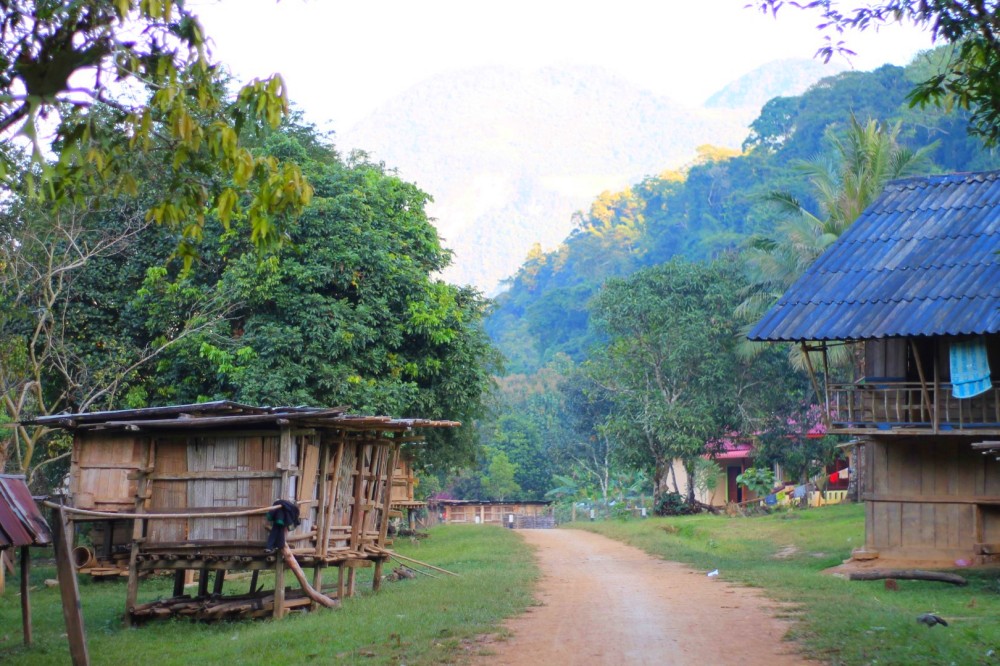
column 916, row 282
column 21, row 526
column 525, row 513
column 191, row 484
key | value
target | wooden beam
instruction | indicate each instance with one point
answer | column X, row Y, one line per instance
column 815, row 384
column 69, row 590
column 923, row 380
column 25, row 591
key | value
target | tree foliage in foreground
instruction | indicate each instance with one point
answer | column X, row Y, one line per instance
column 91, row 81
column 968, row 76
column 347, row 313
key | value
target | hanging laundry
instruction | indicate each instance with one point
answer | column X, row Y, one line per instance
column 800, row 491
column 970, row 368
column 771, row 500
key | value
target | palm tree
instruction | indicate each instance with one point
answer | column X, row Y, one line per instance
column 862, row 161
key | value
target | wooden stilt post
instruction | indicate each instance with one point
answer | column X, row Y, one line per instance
column 220, row 579
column 203, row 577
column 253, row 580
column 279, row 588
column 138, row 533
column 25, row 599
column 377, row 579
column 70, row 591
column 340, row 581
column 179, row 576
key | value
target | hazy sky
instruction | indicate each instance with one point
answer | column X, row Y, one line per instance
column 342, row 59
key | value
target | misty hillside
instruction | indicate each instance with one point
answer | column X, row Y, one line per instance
column 510, row 154
column 780, row 78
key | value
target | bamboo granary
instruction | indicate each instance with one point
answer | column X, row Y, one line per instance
column 186, row 488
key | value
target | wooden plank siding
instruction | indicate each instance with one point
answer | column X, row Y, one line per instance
column 932, row 498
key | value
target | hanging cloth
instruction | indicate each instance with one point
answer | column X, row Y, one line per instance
column 283, row 516
column 970, row 369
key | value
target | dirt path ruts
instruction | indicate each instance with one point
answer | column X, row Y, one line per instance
column 603, row 602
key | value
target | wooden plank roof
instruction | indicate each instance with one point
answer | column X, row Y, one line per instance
column 921, row 260
column 223, row 414
column 21, row 522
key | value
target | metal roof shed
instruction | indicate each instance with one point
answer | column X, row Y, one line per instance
column 916, row 282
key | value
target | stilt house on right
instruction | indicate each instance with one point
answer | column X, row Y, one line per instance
column 914, row 284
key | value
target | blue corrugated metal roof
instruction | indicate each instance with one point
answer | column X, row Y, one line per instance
column 921, row 260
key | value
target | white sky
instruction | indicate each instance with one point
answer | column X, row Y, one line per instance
column 342, row 59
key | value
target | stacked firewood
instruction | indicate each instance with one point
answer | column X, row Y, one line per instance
column 216, row 607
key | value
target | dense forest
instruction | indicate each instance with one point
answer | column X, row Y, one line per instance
column 564, row 318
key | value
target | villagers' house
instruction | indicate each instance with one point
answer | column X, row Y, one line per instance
column 525, row 513
column 214, row 469
column 915, row 282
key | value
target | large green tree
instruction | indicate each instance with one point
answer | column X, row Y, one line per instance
column 669, row 367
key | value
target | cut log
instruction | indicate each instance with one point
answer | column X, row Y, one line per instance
column 908, row 574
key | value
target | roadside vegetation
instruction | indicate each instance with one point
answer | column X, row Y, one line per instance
column 412, row 621
column 836, row 621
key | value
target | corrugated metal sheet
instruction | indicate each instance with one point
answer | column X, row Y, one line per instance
column 21, row 523
column 921, row 260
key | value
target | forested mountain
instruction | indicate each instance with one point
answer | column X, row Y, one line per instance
column 716, row 204
column 510, row 154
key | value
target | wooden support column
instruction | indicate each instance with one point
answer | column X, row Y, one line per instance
column 25, row 591
column 285, row 462
column 923, row 379
column 69, row 590
column 279, row 588
column 203, row 576
column 377, row 577
column 322, row 515
column 220, row 580
column 815, row 383
column 179, row 577
column 138, row 531
column 387, row 500
column 937, row 391
column 340, row 581
column 253, row 580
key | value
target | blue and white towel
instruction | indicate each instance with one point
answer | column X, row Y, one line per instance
column 970, row 368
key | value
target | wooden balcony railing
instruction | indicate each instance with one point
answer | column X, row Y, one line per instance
column 886, row 405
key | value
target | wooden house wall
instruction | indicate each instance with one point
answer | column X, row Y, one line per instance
column 929, row 497
column 100, row 471
column 221, row 472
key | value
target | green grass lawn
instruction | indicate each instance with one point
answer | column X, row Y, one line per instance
column 418, row 621
column 837, row 621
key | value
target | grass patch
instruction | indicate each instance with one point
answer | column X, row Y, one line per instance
column 837, row 621
column 418, row 621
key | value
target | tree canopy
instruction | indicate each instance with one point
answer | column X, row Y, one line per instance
column 968, row 74
column 84, row 83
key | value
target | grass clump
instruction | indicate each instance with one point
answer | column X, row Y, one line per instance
column 836, row 621
column 418, row 621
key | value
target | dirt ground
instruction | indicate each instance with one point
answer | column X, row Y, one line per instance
column 603, row 602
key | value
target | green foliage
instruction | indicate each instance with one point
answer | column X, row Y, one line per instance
column 82, row 65
column 671, row 504
column 498, row 483
column 669, row 367
column 966, row 78
column 758, row 480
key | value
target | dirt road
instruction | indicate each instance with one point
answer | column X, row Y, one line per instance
column 603, row 602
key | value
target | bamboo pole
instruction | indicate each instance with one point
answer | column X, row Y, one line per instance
column 423, row 564
column 313, row 594
column 70, row 592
